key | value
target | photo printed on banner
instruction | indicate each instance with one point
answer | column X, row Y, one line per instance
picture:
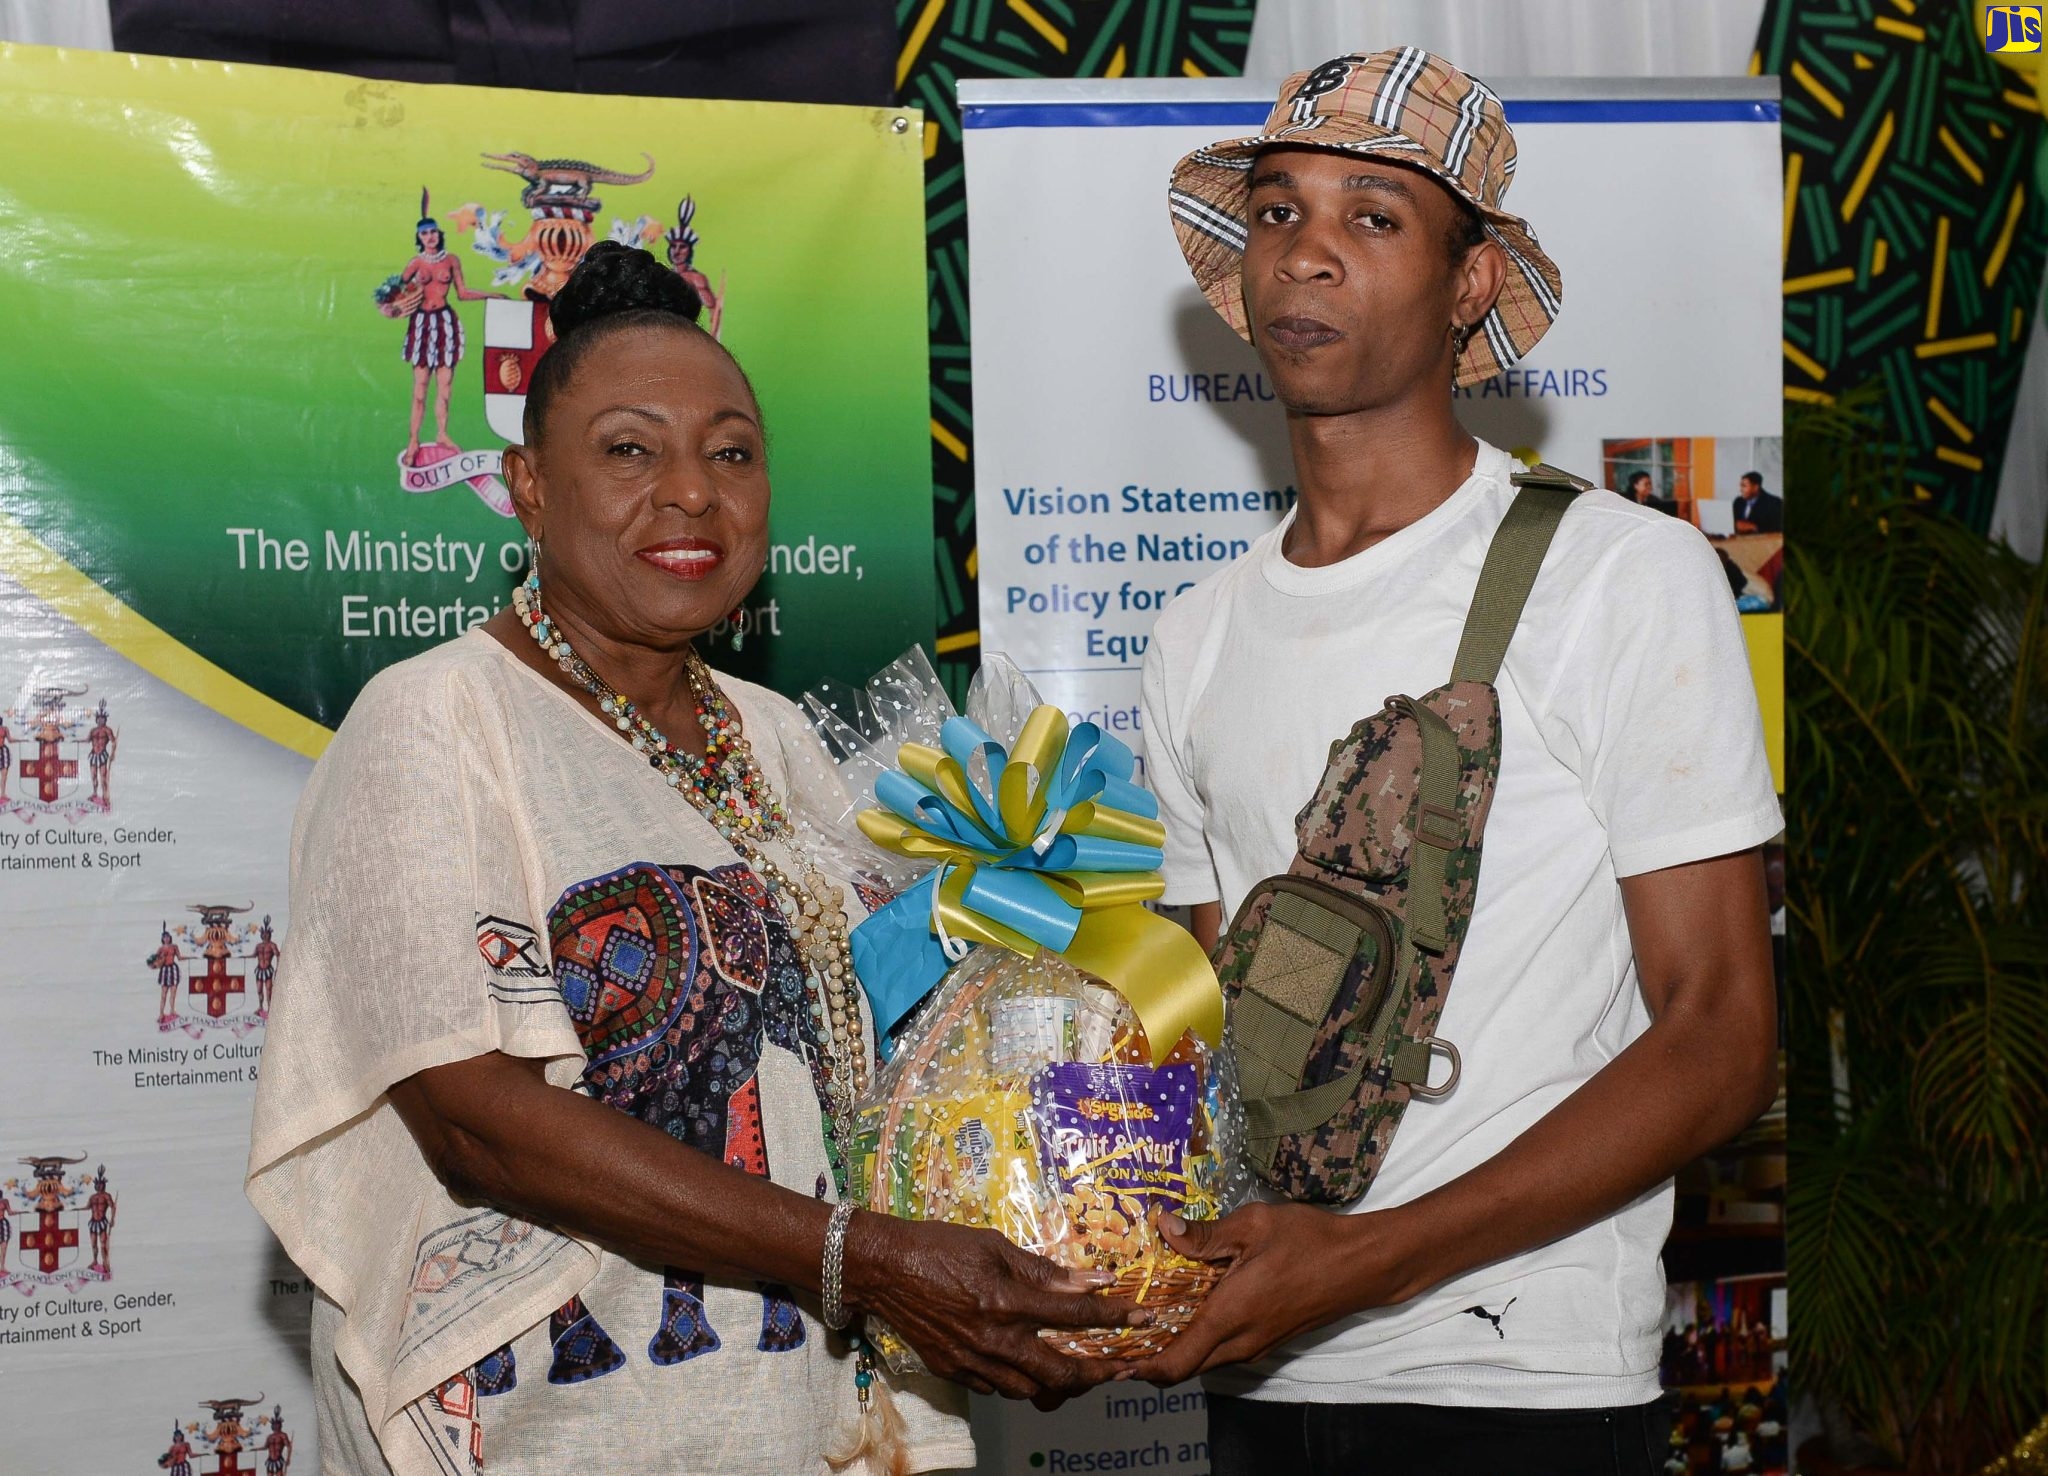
column 1172, row 458
column 1731, row 488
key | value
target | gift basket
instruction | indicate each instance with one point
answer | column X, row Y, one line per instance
column 1055, row 1065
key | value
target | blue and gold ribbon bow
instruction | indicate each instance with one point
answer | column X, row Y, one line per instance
column 1060, row 850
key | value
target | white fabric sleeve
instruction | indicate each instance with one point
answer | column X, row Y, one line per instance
column 415, row 941
column 1654, row 707
column 1189, row 869
column 409, row 881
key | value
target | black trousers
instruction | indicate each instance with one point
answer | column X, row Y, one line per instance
column 1256, row 1437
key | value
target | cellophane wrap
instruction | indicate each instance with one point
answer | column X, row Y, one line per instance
column 862, row 729
column 1021, row 1097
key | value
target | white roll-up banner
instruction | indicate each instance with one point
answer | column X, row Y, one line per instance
column 1127, row 445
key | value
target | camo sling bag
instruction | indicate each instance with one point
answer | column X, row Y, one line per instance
column 1336, row 973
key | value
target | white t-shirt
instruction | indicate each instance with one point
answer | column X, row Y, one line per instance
column 1631, row 742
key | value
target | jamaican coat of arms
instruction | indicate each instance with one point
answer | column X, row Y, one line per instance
column 56, row 1227
column 527, row 270
column 224, row 1435
column 198, row 982
column 56, row 756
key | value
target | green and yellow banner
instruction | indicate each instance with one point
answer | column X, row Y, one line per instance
column 269, row 332
column 264, row 339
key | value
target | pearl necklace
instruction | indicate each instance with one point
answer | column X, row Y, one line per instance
column 727, row 787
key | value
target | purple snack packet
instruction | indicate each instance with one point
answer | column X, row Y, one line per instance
column 1121, row 1130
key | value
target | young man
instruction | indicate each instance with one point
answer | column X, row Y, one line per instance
column 1758, row 511
column 1493, row 1303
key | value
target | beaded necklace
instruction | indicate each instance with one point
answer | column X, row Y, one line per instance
column 727, row 787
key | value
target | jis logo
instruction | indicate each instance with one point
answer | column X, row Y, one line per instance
column 2012, row 28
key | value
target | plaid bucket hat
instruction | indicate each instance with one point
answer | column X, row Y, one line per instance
column 1407, row 107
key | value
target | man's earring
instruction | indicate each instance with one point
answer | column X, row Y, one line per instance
column 1461, row 334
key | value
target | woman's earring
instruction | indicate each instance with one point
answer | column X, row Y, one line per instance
column 533, row 557
column 738, row 621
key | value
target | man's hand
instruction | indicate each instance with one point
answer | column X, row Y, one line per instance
column 1290, row 1269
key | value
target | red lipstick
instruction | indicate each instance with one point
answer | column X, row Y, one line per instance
column 684, row 558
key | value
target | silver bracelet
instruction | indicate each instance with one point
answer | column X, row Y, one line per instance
column 836, row 1315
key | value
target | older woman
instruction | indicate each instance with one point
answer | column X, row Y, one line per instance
column 566, row 1034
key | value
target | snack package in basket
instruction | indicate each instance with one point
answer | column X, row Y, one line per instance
column 1056, row 1068
column 1022, row 1098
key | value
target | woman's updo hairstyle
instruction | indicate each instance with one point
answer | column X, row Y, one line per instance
column 614, row 278
column 615, row 286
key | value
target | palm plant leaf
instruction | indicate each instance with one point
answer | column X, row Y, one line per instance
column 1917, row 738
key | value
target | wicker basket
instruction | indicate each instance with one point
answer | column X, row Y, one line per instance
column 404, row 302
column 1168, row 1285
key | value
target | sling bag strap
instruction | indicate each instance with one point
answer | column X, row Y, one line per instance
column 1268, row 1118
column 1510, row 570
column 1437, row 830
column 1513, row 560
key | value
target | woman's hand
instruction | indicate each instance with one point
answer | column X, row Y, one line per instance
column 968, row 1301
column 971, row 1304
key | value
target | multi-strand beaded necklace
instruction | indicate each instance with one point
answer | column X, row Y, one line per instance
column 727, row 787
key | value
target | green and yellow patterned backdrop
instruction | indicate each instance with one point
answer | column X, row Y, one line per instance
column 943, row 41
column 205, row 403
column 1914, row 226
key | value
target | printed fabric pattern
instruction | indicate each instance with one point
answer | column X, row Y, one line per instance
column 676, row 978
